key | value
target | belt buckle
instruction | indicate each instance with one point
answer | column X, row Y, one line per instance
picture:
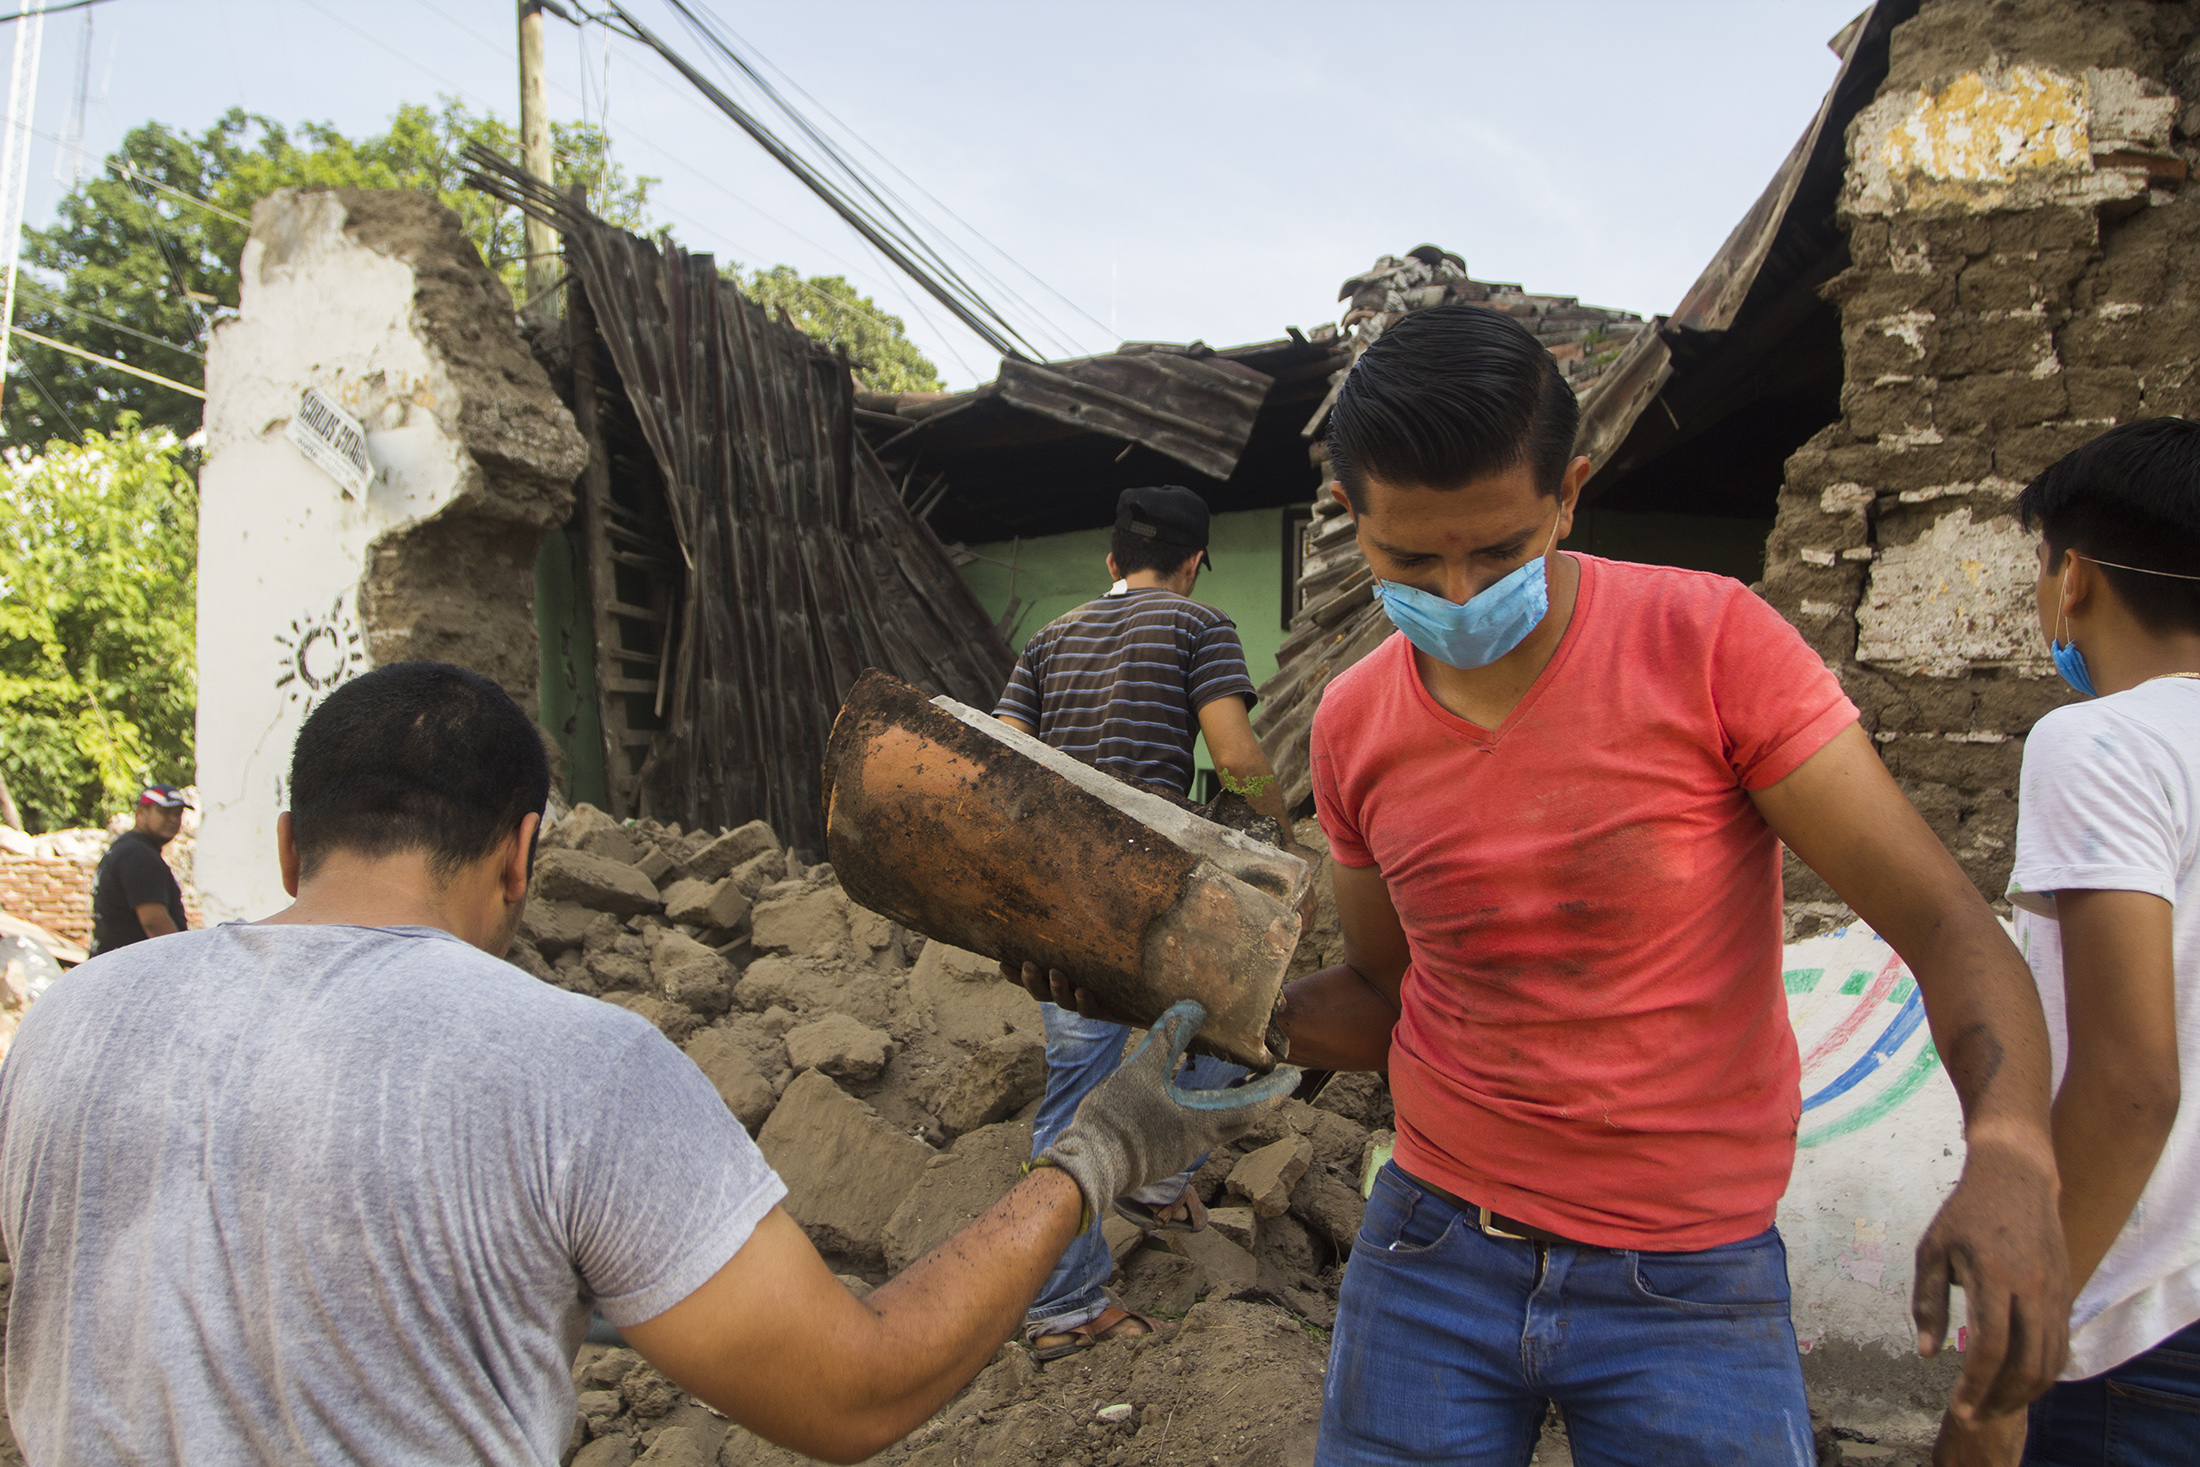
column 1482, row 1217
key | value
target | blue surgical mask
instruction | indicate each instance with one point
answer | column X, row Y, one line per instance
column 1490, row 624
column 2069, row 661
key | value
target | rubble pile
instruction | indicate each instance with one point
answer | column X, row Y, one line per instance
column 891, row 1081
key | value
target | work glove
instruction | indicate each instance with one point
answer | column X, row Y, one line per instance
column 1137, row 1127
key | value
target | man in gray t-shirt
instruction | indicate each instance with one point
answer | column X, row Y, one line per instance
column 341, row 1186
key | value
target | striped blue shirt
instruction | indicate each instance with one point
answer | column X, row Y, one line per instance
column 1119, row 683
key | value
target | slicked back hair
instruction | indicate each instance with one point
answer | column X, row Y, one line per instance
column 1447, row 396
column 2131, row 495
column 415, row 756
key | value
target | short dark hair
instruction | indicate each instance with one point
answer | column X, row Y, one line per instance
column 1447, row 396
column 1134, row 552
column 415, row 756
column 2130, row 496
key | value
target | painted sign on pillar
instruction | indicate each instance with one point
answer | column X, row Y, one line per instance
column 1879, row 1145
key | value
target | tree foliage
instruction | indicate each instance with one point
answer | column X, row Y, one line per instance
column 98, row 558
column 828, row 308
column 130, row 245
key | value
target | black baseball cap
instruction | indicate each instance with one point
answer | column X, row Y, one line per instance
column 1168, row 514
column 167, row 796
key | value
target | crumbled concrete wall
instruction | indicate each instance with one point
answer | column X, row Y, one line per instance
column 377, row 300
column 2022, row 278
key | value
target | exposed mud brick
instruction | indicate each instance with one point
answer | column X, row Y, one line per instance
column 847, row 1049
column 2015, row 341
column 1235, row 1223
column 648, row 1394
column 692, row 975
column 1292, row 1118
column 1337, row 1141
column 1161, row 1284
column 1265, row 1178
column 675, row 1022
column 1005, row 1075
column 846, row 1171
column 1228, row 1266
column 589, row 829
column 594, row 881
column 2022, row 454
column 615, row 1450
column 2014, row 704
column 656, row 865
column 1328, row 1206
column 1997, row 401
column 725, row 1062
column 962, row 1183
column 810, row 924
column 553, row 926
column 614, row 969
column 968, row 1000
column 683, row 1446
column 602, row 934
column 2110, row 393
column 718, row 857
column 1876, row 408
column 706, row 903
column 808, row 987
column 1979, row 765
column 523, row 955
column 868, row 929
column 1283, row 1243
column 759, row 871
column 1357, row 1095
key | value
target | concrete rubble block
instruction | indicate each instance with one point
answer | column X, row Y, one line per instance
column 1228, row 1266
column 718, row 857
column 802, row 986
column 810, row 924
column 759, row 871
column 691, row 974
column 846, row 1049
column 594, row 881
column 725, row 1062
column 553, row 926
column 1234, row 1223
column 1328, row 1206
column 968, row 1001
column 967, row 1179
column 656, row 865
column 1265, row 1178
column 1005, row 1075
column 614, row 969
column 847, row 1172
column 706, row 903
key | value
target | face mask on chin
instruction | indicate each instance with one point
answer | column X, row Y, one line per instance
column 1489, row 625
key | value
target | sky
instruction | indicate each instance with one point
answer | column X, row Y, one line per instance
column 1198, row 170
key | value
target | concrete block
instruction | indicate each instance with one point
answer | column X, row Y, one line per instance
column 594, row 881
column 847, row 1172
column 846, row 1049
column 1265, row 1178
column 726, row 1064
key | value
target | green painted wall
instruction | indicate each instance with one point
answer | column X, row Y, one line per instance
column 568, row 682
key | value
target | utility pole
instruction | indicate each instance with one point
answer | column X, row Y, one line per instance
column 15, row 159
column 535, row 156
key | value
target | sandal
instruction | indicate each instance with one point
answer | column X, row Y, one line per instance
column 1159, row 1217
column 1097, row 1330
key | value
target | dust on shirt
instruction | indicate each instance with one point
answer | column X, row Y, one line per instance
column 1119, row 682
column 341, row 1194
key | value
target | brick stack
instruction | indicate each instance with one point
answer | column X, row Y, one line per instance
column 51, row 884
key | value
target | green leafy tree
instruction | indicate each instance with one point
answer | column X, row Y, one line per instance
column 828, row 308
column 132, row 268
column 98, row 557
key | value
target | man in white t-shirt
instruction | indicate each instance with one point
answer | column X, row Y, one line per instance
column 2107, row 897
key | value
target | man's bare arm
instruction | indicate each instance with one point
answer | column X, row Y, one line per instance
column 1998, row 1235
column 2121, row 1089
column 1340, row 1018
column 1237, row 753
column 777, row 1343
column 154, row 918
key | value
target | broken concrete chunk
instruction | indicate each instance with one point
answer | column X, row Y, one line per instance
column 726, row 1064
column 810, row 924
column 718, row 857
column 594, row 881
column 974, row 1174
column 692, row 975
column 846, row 1049
column 1265, row 1178
column 553, row 926
column 706, row 903
column 846, row 1171
column 1004, row 1076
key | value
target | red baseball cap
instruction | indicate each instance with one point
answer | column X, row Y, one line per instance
column 167, row 796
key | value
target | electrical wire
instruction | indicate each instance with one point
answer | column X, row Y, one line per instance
column 108, row 321
column 22, row 364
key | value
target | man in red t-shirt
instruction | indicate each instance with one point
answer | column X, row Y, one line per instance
column 1556, row 803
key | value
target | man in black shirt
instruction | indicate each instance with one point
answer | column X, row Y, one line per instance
column 135, row 895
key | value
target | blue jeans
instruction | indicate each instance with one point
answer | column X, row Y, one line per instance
column 1082, row 1052
column 2145, row 1411
column 1449, row 1343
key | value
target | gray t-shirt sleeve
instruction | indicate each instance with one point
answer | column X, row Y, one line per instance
column 667, row 1187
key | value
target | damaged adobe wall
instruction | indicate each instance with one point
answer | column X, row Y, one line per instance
column 377, row 300
column 2023, row 277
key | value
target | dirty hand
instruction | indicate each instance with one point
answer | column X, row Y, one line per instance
column 1998, row 1237
column 1054, row 987
column 1130, row 1132
column 1998, row 1442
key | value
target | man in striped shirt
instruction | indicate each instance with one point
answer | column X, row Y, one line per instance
column 1127, row 683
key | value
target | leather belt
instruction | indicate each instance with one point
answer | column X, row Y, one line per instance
column 1493, row 1224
